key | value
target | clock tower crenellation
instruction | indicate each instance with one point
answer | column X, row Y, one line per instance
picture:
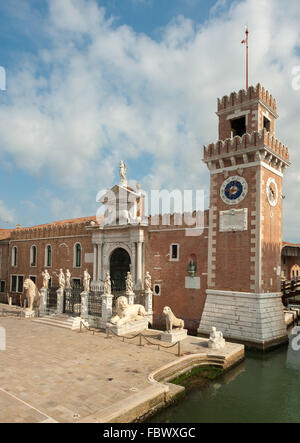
column 246, row 111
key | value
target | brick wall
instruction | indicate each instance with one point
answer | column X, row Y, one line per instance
column 171, row 275
column 62, row 240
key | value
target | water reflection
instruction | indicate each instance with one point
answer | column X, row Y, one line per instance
column 293, row 354
column 265, row 388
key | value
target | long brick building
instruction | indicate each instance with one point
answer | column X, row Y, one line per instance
column 237, row 255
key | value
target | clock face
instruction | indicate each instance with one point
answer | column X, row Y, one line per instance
column 234, row 190
column 272, row 192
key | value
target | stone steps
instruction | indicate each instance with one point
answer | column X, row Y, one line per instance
column 71, row 323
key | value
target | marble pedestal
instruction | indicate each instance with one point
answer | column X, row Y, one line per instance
column 174, row 336
column 43, row 300
column 60, row 301
column 29, row 314
column 219, row 344
column 130, row 297
column 84, row 310
column 133, row 327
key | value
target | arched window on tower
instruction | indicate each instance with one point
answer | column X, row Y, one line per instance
column 77, row 255
column 14, row 261
column 48, row 256
column 33, row 255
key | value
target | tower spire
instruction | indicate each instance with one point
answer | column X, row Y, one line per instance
column 246, row 42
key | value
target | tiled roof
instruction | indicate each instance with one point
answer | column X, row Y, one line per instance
column 5, row 234
column 65, row 222
column 295, row 245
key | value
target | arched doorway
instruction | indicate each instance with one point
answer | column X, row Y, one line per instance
column 119, row 266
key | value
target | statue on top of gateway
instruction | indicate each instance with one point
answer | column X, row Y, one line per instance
column 123, row 179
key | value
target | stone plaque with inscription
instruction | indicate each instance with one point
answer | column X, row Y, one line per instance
column 234, row 220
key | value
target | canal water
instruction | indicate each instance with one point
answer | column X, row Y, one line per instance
column 264, row 388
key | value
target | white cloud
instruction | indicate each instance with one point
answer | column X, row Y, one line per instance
column 7, row 216
column 101, row 92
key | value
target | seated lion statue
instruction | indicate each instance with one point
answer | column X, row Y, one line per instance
column 127, row 313
column 171, row 320
column 32, row 294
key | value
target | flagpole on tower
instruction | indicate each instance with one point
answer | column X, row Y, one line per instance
column 246, row 42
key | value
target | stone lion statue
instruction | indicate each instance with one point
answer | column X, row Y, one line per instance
column 171, row 320
column 127, row 313
column 32, row 294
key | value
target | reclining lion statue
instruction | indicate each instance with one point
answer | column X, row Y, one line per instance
column 32, row 294
column 171, row 320
column 127, row 313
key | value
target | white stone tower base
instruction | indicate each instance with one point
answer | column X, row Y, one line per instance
column 256, row 320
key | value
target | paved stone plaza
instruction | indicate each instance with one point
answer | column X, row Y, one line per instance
column 52, row 374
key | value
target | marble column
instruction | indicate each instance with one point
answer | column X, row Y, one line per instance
column 60, row 301
column 43, row 300
column 133, row 263
column 99, row 263
column 148, row 302
column 139, row 265
column 106, row 307
column 95, row 264
column 84, row 312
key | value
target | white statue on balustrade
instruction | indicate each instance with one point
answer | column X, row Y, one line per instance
column 216, row 339
column 46, row 278
column 107, row 284
column 68, row 279
column 61, row 280
column 129, row 284
column 86, row 281
column 148, row 282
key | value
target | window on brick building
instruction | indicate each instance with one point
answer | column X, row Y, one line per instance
column 14, row 256
column 17, row 283
column 48, row 256
column 2, row 286
column 238, row 126
column 267, row 124
column 77, row 255
column 33, row 278
column 33, row 256
column 157, row 289
column 174, row 252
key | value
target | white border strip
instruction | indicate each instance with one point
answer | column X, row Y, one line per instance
column 48, row 419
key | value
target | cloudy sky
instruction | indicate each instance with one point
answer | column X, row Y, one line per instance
column 91, row 82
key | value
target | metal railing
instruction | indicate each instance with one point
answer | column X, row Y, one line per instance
column 72, row 301
column 52, row 299
column 95, row 304
column 141, row 337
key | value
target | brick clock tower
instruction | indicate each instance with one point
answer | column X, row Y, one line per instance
column 245, row 223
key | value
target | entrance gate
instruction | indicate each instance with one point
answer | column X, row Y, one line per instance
column 52, row 299
column 72, row 301
column 119, row 266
